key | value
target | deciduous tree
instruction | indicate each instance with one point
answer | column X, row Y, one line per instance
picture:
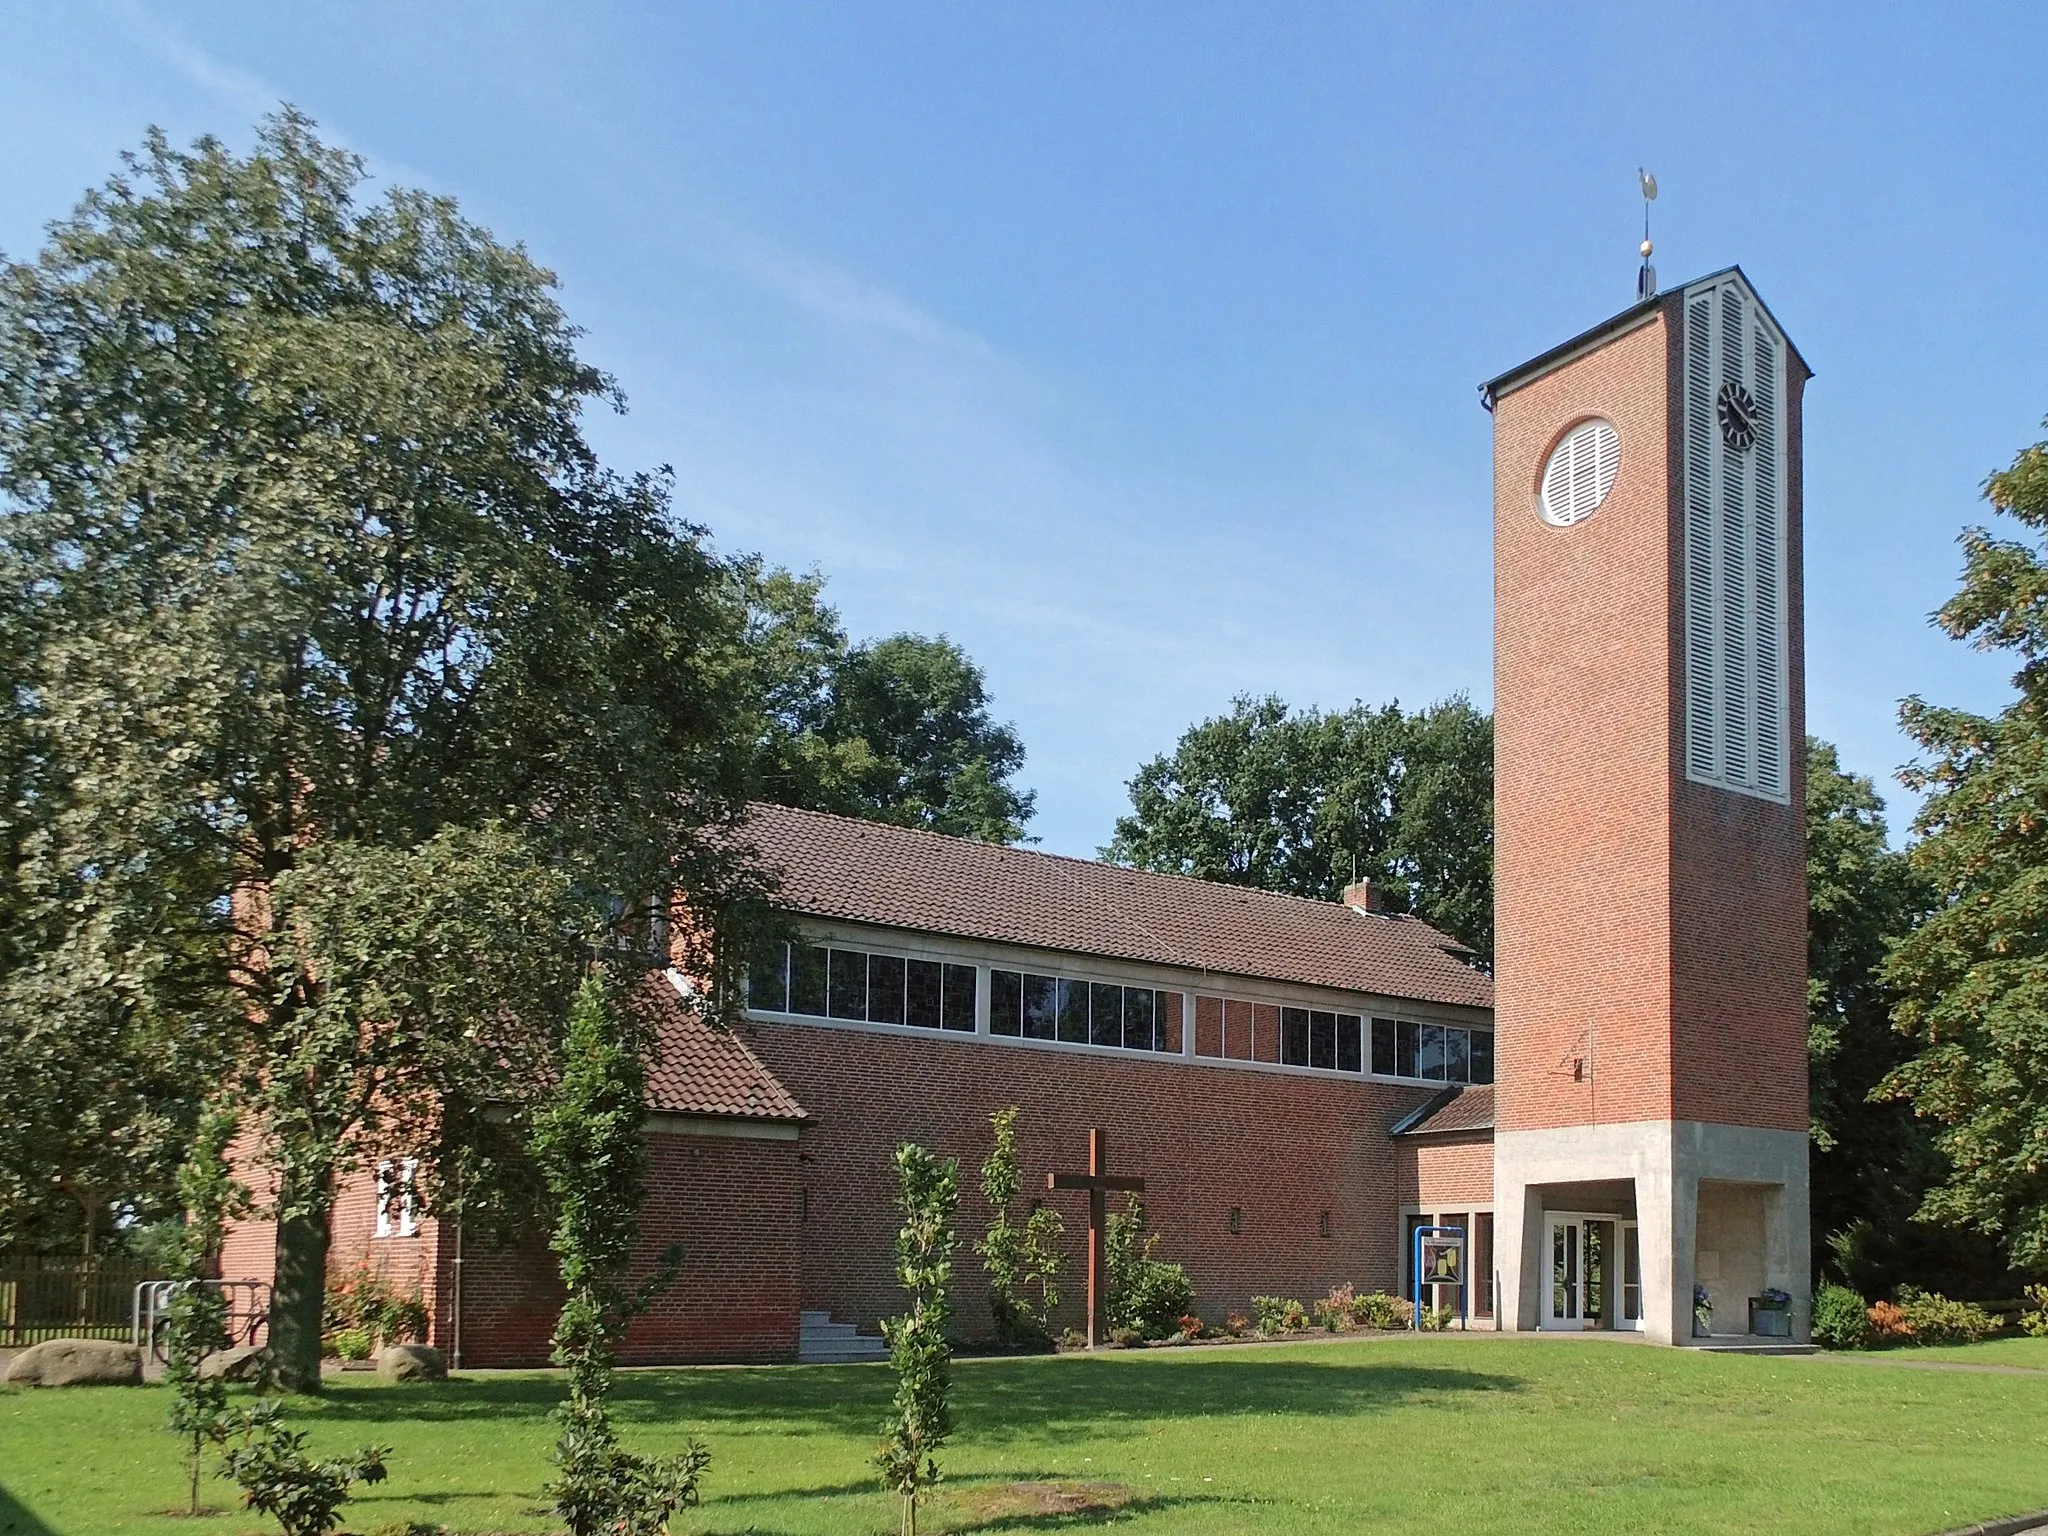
column 1972, row 980
column 320, row 559
column 1303, row 802
column 895, row 730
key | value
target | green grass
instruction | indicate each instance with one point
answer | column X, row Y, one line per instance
column 1465, row 1435
column 2028, row 1354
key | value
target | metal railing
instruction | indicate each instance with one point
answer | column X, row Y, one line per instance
column 247, row 1320
column 68, row 1297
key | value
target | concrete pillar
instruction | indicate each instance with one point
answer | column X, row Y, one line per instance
column 1517, row 1234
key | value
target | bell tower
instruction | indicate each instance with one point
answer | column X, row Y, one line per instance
column 1650, row 885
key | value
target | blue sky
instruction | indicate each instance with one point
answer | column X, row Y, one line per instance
column 1135, row 346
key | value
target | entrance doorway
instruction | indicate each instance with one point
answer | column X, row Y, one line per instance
column 1593, row 1272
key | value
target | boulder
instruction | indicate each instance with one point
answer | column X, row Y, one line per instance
column 77, row 1363
column 411, row 1362
column 245, row 1363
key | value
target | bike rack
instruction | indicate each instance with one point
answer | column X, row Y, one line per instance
column 248, row 1308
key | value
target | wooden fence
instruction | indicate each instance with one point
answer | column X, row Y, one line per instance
column 67, row 1298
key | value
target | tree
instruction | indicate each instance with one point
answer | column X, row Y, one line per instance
column 1017, row 1255
column 1303, row 802
column 894, row 730
column 1972, row 980
column 198, row 1312
column 320, row 560
column 589, row 1144
column 921, row 1417
column 1873, row 1161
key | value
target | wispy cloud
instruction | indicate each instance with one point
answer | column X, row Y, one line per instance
column 250, row 95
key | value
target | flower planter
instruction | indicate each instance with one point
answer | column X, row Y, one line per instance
column 1769, row 1320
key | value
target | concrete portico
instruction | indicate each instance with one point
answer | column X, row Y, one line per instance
column 1719, row 1205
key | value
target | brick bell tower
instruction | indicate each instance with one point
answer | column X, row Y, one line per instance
column 1650, row 835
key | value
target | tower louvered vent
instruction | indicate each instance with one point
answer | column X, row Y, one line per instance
column 1737, row 731
column 1580, row 473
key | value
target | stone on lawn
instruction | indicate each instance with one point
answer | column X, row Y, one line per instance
column 77, row 1363
column 245, row 1362
column 411, row 1362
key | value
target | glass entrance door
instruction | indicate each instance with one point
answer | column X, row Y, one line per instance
column 1631, row 1276
column 1564, row 1306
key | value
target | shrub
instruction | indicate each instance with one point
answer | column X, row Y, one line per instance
column 351, row 1343
column 1236, row 1324
column 1438, row 1319
column 1279, row 1314
column 1126, row 1338
column 1334, row 1311
column 2035, row 1318
column 1191, row 1327
column 1017, row 1256
column 1071, row 1339
column 1841, row 1318
column 920, row 1418
column 1378, row 1310
column 1935, row 1319
column 1888, row 1324
column 1146, row 1295
column 279, row 1479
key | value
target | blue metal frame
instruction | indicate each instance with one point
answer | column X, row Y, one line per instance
column 1464, row 1272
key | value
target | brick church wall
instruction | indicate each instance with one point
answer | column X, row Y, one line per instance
column 1582, row 750
column 1440, row 1172
column 731, row 1203
column 1280, row 1148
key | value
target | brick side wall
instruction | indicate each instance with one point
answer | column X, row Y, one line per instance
column 729, row 1201
column 1442, row 1172
column 1281, row 1148
column 1649, row 929
column 1583, row 720
column 1739, row 882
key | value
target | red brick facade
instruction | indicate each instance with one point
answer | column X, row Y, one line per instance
column 1281, row 1149
column 1649, row 931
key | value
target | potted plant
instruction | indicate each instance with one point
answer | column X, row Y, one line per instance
column 1770, row 1315
column 1702, row 1312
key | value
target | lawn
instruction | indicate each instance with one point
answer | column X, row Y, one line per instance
column 1473, row 1435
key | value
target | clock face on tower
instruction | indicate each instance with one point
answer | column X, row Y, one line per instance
column 1737, row 415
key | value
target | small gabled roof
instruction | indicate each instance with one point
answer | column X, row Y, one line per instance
column 1613, row 325
column 898, row 877
column 696, row 1069
column 1458, row 1108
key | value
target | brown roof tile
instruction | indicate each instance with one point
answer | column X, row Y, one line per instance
column 1455, row 1109
column 896, row 877
column 698, row 1070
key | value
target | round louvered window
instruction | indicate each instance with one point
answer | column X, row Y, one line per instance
column 1580, row 473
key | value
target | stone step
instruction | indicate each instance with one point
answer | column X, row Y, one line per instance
column 820, row 1341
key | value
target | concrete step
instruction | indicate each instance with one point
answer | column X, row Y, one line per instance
column 820, row 1341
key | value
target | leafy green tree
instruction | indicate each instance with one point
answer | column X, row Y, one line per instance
column 895, row 730
column 1017, row 1256
column 589, row 1143
column 1873, row 1160
column 921, row 1417
column 198, row 1312
column 1972, row 980
column 321, row 561
column 1303, row 803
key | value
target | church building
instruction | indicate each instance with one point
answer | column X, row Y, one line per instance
column 1616, row 1119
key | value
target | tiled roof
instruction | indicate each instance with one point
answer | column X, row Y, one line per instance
column 896, row 877
column 1455, row 1109
column 698, row 1070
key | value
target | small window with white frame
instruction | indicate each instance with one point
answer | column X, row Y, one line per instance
column 397, row 1209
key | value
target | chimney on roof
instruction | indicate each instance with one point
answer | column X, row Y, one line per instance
column 1365, row 896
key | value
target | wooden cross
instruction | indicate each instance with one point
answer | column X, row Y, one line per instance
column 1098, row 1181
